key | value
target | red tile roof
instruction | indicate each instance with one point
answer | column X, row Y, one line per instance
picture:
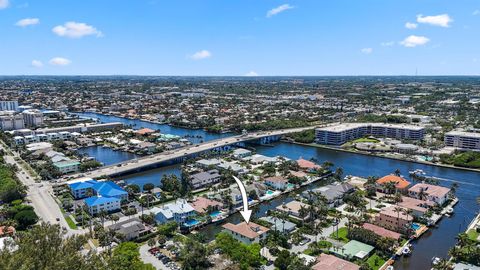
column 306, row 164
column 330, row 262
column 201, row 204
column 400, row 183
column 381, row 231
column 145, row 131
column 250, row 230
column 4, row 230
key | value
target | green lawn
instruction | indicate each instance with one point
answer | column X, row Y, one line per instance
column 70, row 223
column 342, row 235
column 473, row 234
column 375, row 261
column 366, row 140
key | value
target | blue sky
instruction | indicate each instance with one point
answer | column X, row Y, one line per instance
column 240, row 37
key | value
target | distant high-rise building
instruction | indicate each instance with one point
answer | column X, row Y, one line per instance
column 11, row 122
column 464, row 140
column 8, row 105
column 33, row 118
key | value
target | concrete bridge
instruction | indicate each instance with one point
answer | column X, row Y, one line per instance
column 179, row 155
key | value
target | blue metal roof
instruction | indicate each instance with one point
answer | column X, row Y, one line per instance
column 82, row 185
column 109, row 189
column 93, row 201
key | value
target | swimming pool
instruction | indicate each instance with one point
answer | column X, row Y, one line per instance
column 270, row 192
column 415, row 226
column 215, row 214
column 191, row 222
column 290, row 186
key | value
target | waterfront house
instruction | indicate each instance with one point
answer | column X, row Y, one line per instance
column 202, row 205
column 380, row 231
column 392, row 219
column 259, row 188
column 432, row 193
column 401, row 185
column 280, row 225
column 204, row 179
column 330, row 262
column 293, row 209
column 241, row 153
column 247, row 233
column 276, row 182
column 307, row 165
column 333, row 193
column 418, row 207
column 178, row 211
column 207, row 163
column 258, row 159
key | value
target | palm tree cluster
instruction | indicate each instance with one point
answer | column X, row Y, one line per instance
column 466, row 250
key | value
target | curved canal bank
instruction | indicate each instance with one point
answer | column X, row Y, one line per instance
column 436, row 242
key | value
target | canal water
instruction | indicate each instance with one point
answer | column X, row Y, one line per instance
column 106, row 155
column 436, row 242
column 193, row 135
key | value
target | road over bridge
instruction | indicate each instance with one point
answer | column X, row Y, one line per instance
column 144, row 163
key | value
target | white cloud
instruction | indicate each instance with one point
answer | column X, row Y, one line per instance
column 4, row 4
column 203, row 54
column 476, row 12
column 279, row 9
column 414, row 41
column 442, row 20
column 410, row 25
column 59, row 61
column 37, row 63
column 76, row 30
column 27, row 21
column 387, row 43
column 367, row 50
column 251, row 74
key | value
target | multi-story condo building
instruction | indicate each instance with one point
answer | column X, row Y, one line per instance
column 33, row 118
column 8, row 105
column 11, row 122
column 464, row 140
column 342, row 133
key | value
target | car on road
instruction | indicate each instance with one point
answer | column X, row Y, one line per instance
column 304, row 241
column 58, row 219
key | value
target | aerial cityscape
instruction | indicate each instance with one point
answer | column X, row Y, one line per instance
column 239, row 135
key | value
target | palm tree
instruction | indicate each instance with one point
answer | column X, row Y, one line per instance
column 443, row 264
column 318, row 230
column 398, row 210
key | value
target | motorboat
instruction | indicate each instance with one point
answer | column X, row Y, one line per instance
column 449, row 210
column 436, row 260
column 406, row 251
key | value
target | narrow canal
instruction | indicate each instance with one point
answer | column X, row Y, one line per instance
column 436, row 242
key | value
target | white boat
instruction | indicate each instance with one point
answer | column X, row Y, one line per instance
column 406, row 251
column 449, row 210
column 390, row 267
column 435, row 260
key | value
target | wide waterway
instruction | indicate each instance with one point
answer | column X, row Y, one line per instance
column 436, row 242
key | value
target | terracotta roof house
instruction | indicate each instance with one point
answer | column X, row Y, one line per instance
column 145, row 131
column 330, row 262
column 390, row 219
column 432, row 193
column 276, row 182
column 201, row 204
column 401, row 184
column 307, row 165
column 6, row 231
column 382, row 231
column 418, row 207
column 247, row 233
